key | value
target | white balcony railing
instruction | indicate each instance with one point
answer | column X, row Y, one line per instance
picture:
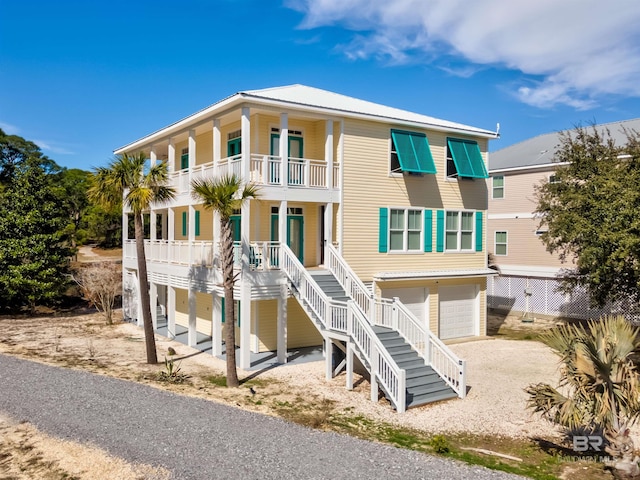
column 262, row 255
column 264, row 170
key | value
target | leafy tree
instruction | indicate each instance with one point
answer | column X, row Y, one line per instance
column 75, row 183
column 224, row 195
column 141, row 185
column 591, row 214
column 599, row 386
column 33, row 248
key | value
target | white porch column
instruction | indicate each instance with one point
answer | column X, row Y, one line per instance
column 216, row 326
column 282, row 324
column 328, row 229
column 245, row 325
column 191, row 232
column 192, row 151
column 284, row 148
column 171, row 156
column 349, row 365
column 152, row 225
column 282, row 222
column 217, row 144
column 245, row 144
column 125, row 226
column 340, row 233
column 328, row 352
column 171, row 224
column 171, row 312
column 328, row 152
column 153, row 157
column 192, row 335
column 153, row 300
column 139, row 319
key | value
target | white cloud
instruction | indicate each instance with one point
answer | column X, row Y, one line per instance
column 47, row 146
column 9, row 129
column 577, row 50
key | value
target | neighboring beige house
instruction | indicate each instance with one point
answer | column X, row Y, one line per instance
column 527, row 282
column 383, row 214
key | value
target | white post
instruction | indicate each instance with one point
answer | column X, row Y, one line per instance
column 328, row 153
column 153, row 157
column 171, row 156
column 217, row 145
column 245, row 325
column 284, row 149
column 216, row 334
column 328, row 351
column 245, row 144
column 153, row 300
column 349, row 366
column 374, row 370
column 192, row 336
column 340, row 233
column 139, row 320
column 171, row 312
column 282, row 324
column 282, row 223
column 328, row 230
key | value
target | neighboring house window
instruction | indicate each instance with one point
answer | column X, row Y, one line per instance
column 553, row 178
column 501, row 243
column 540, row 232
column 410, row 153
column 184, row 159
column 459, row 231
column 498, row 187
column 405, row 230
column 464, row 159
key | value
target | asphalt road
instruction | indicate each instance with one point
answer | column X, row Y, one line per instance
column 198, row 439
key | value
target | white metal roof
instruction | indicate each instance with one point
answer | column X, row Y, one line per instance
column 312, row 99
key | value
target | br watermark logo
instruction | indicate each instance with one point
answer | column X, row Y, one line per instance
column 585, row 443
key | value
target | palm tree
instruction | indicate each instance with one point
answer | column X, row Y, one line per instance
column 224, row 195
column 128, row 176
column 599, row 389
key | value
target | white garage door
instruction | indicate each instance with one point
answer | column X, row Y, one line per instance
column 415, row 299
column 458, row 313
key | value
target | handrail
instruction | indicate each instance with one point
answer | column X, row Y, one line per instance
column 382, row 366
column 351, row 283
column 440, row 357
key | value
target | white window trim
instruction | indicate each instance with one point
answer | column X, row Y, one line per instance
column 459, row 236
column 405, row 231
column 495, row 243
column 393, row 174
column 493, row 188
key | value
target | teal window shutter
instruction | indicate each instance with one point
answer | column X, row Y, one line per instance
column 222, row 310
column 197, row 223
column 478, row 231
column 440, row 231
column 428, row 230
column 383, row 244
column 467, row 158
column 413, row 152
column 238, row 305
column 184, row 224
column 184, row 161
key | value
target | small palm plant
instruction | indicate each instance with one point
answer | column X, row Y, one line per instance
column 598, row 388
column 224, row 195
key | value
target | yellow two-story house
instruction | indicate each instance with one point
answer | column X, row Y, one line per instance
column 368, row 236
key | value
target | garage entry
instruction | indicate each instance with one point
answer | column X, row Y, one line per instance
column 458, row 312
column 415, row 299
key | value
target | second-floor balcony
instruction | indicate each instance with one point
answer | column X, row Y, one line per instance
column 263, row 256
column 266, row 170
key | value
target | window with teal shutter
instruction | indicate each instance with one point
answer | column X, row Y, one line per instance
column 440, row 231
column 467, row 159
column 383, row 245
column 410, row 152
column 197, row 223
column 478, row 231
column 184, row 161
column 184, row 224
column 428, row 231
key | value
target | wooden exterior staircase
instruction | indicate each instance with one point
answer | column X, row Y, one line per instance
column 406, row 361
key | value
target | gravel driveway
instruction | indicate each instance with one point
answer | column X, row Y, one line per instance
column 197, row 439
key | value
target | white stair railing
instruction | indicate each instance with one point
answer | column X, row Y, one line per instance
column 392, row 313
column 451, row 368
column 348, row 318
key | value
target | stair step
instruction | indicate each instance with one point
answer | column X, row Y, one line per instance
column 399, row 349
column 431, row 388
column 407, row 355
column 423, row 380
column 394, row 342
column 430, row 398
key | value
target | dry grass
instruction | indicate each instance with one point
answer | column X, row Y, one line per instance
column 27, row 454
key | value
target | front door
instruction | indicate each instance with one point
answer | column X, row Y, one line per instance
column 295, row 234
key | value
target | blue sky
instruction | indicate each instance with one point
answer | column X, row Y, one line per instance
column 83, row 77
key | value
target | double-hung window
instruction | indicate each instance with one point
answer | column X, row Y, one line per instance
column 501, row 243
column 498, row 187
column 405, row 230
column 459, row 231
